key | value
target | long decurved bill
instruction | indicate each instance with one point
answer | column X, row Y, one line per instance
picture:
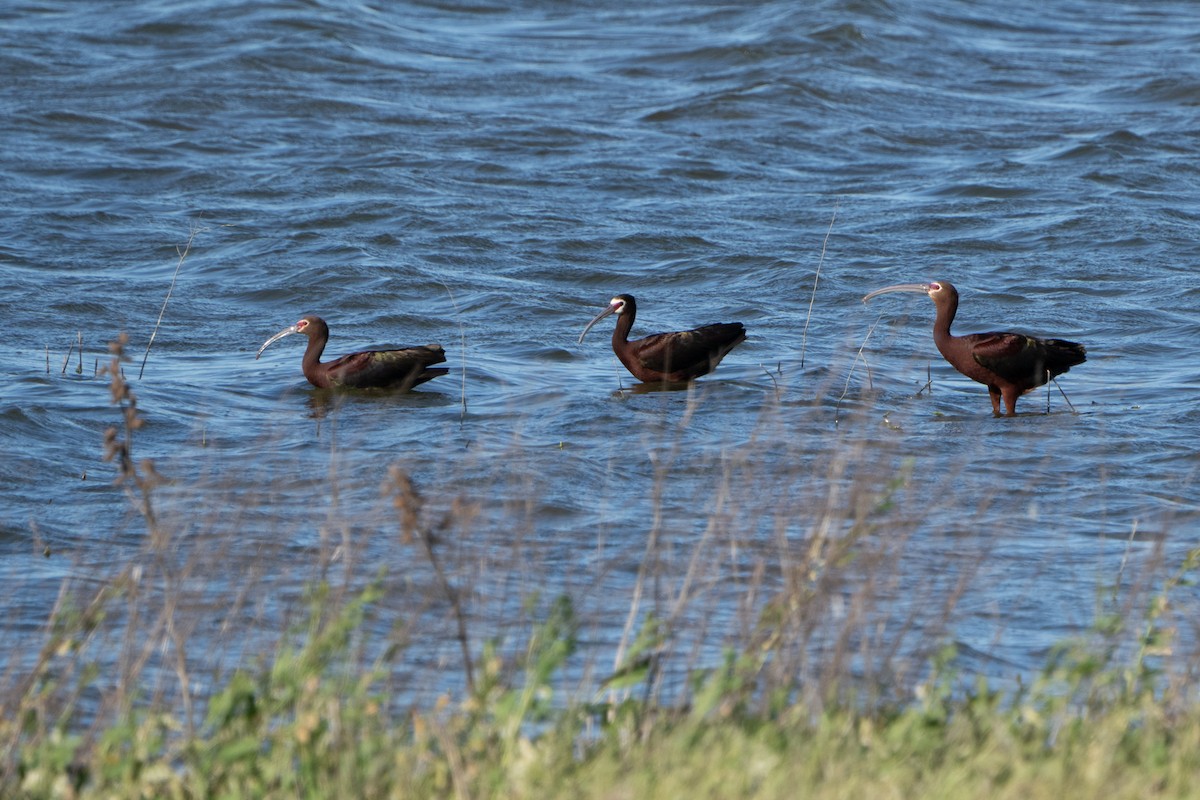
column 919, row 288
column 285, row 332
column 596, row 319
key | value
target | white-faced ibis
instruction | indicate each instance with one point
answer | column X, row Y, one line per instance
column 399, row 369
column 668, row 357
column 1009, row 364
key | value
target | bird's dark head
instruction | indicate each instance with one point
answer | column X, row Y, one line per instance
column 621, row 304
column 310, row 325
column 942, row 291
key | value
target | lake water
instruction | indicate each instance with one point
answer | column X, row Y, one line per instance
column 488, row 177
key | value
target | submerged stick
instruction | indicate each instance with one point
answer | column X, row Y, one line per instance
column 67, row 358
column 182, row 255
column 1064, row 394
column 928, row 381
column 816, row 278
column 853, row 364
column 772, row 377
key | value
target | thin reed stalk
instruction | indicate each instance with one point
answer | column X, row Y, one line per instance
column 183, row 254
column 816, row 279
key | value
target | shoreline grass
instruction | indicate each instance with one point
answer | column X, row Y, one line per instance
column 312, row 720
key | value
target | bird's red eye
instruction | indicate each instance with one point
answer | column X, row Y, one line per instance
column 301, row 325
column 935, row 287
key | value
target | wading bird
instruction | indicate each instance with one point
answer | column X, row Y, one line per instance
column 668, row 357
column 1009, row 364
column 399, row 369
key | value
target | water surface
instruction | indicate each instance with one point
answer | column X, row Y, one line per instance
column 488, row 178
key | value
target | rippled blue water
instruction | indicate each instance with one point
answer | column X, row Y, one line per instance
column 488, row 177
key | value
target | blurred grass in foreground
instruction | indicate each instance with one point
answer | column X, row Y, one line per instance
column 311, row 722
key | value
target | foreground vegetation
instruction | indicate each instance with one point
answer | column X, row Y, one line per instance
column 313, row 722
column 116, row 704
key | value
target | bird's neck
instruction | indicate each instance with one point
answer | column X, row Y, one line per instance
column 312, row 354
column 622, row 328
column 945, row 316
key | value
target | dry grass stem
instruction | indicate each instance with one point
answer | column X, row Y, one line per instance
column 816, row 279
column 1064, row 394
column 67, row 358
column 928, row 385
column 409, row 503
column 183, row 254
column 858, row 355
